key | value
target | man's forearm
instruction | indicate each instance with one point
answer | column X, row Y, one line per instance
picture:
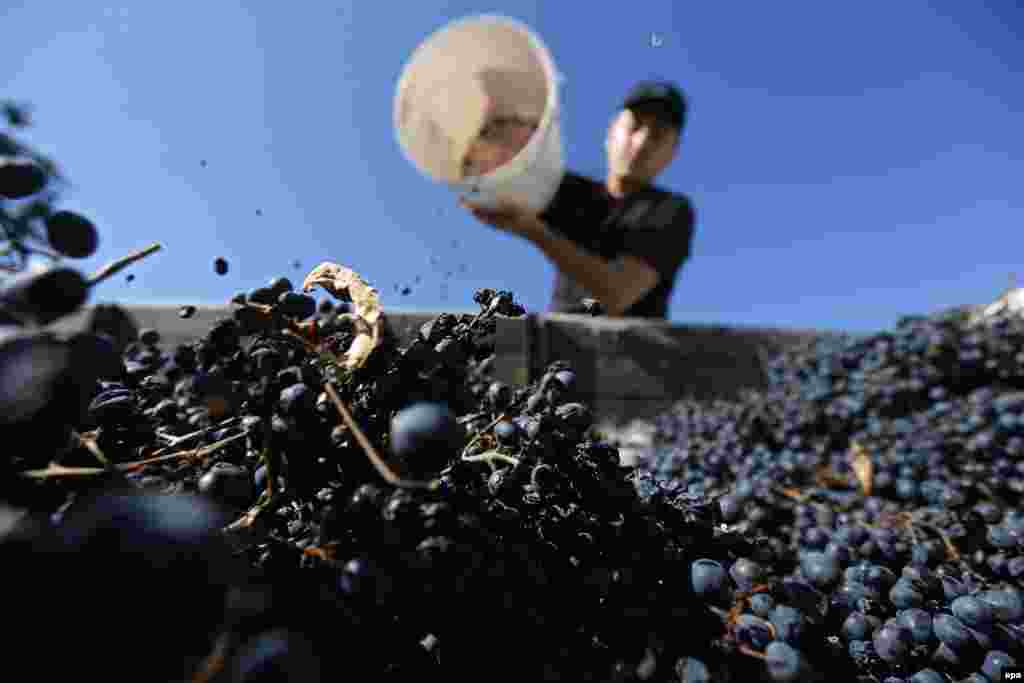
column 596, row 274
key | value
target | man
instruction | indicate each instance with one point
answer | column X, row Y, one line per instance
column 621, row 242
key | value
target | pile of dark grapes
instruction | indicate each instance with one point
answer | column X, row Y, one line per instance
column 532, row 540
column 884, row 476
column 243, row 509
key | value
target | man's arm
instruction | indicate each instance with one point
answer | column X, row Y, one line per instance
column 617, row 284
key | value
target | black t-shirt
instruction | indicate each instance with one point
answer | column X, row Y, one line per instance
column 651, row 224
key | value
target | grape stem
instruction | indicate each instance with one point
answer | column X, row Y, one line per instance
column 178, row 440
column 43, row 252
column 89, row 443
column 490, row 456
column 61, row 471
column 266, row 502
column 472, row 442
column 368, row 448
column 117, row 266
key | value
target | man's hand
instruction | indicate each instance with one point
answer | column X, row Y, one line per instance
column 509, row 217
column 618, row 286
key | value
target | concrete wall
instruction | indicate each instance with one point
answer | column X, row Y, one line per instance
column 626, row 368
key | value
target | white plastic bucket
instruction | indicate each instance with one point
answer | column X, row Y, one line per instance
column 442, row 99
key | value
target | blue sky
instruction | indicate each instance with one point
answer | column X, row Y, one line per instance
column 849, row 162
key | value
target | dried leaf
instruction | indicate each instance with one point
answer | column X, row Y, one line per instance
column 1011, row 301
column 793, row 493
column 325, row 552
column 826, row 477
column 345, row 284
column 862, row 467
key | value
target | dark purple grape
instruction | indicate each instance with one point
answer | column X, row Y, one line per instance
column 996, row 662
column 893, row 643
column 567, row 378
column 857, row 627
column 149, row 337
column 71, row 234
column 506, row 432
column 972, row 611
column 296, row 400
column 927, row 554
column 280, row 285
column 260, row 480
column 762, row 605
column 811, row 603
column 1000, row 537
column 907, row 593
column 424, row 436
column 42, row 396
column 851, row 535
column 692, row 670
column 785, row 663
column 575, row 415
column 842, row 554
column 816, row 538
column 789, row 623
column 709, row 580
column 296, row 305
column 753, row 631
column 263, row 296
column 920, row 624
column 1006, row 605
column 45, row 296
column 115, row 323
column 20, row 178
column 953, row 632
column 1015, row 568
column 927, row 676
column 820, row 569
column 113, row 405
column 228, row 484
column 858, row 573
column 499, row 394
column 154, row 537
column 860, row 650
column 746, row 573
column 731, row 508
column 953, row 588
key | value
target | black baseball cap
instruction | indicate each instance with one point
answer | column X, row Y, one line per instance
column 664, row 93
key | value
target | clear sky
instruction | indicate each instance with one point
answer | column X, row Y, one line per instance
column 849, row 162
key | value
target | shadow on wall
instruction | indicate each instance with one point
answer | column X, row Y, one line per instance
column 629, row 369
